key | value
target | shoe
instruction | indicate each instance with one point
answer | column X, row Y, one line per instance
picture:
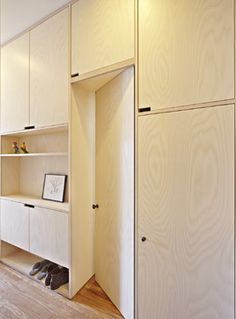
column 59, row 277
column 38, row 266
column 44, row 271
column 49, row 272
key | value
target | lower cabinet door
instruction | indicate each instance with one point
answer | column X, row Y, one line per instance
column 15, row 224
column 49, row 235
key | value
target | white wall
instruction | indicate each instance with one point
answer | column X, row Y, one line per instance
column 18, row 15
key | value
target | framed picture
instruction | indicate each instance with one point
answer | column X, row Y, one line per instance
column 54, row 187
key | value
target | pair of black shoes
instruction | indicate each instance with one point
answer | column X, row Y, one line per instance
column 56, row 275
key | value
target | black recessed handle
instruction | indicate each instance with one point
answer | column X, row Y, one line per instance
column 144, row 109
column 95, row 206
column 143, row 238
column 28, row 205
column 74, row 75
column 31, row 127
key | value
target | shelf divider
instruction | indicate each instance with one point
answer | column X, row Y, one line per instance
column 35, row 154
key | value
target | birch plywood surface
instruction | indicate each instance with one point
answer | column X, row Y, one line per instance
column 82, row 186
column 102, row 33
column 114, row 230
column 15, row 85
column 49, row 71
column 186, row 212
column 186, row 52
column 49, row 235
column 14, row 224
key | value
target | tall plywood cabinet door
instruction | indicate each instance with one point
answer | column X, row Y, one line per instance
column 114, row 227
column 102, row 33
column 186, row 52
column 49, row 45
column 15, row 85
column 186, row 214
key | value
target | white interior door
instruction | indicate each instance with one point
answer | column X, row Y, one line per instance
column 114, row 242
column 186, row 215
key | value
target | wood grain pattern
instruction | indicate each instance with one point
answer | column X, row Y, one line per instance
column 186, row 52
column 15, row 85
column 186, row 211
column 49, row 235
column 114, row 229
column 102, row 33
column 10, row 179
column 23, row 298
column 49, row 71
column 15, row 224
column 82, row 177
column 93, row 296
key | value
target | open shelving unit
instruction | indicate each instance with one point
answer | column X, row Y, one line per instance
column 23, row 174
column 22, row 206
column 22, row 261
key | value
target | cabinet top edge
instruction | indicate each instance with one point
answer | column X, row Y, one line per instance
column 38, row 131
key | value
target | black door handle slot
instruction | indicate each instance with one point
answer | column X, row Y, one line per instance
column 31, row 127
column 95, row 206
column 28, row 205
column 144, row 109
column 74, row 75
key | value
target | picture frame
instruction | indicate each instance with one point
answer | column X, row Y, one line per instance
column 54, row 187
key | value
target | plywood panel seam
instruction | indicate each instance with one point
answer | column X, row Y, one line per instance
column 189, row 107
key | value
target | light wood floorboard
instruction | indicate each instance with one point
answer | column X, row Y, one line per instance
column 93, row 296
column 22, row 298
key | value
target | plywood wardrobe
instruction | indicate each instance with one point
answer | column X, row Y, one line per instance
column 186, row 137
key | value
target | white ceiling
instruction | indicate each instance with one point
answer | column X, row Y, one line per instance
column 19, row 15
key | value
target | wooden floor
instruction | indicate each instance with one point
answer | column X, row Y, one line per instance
column 23, row 298
column 93, row 296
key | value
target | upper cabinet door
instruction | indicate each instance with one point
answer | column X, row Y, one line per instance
column 102, row 33
column 15, row 85
column 49, row 71
column 186, row 52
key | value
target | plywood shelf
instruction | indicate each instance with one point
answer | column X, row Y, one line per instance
column 35, row 154
column 22, row 261
column 38, row 202
column 39, row 130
